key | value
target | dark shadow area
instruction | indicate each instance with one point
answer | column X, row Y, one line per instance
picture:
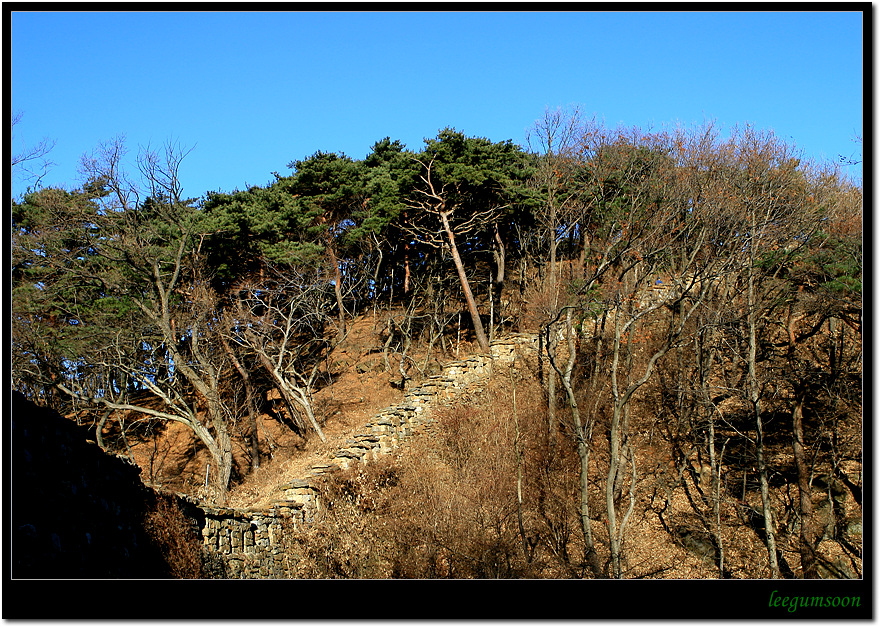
column 78, row 512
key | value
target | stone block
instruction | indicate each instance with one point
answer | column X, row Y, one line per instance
column 298, row 484
column 364, row 439
column 321, row 469
column 347, row 453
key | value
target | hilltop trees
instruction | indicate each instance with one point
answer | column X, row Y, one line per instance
column 700, row 289
column 328, row 187
column 769, row 211
column 602, row 189
column 394, row 209
column 465, row 186
column 273, row 292
column 689, row 241
column 135, row 320
column 57, row 279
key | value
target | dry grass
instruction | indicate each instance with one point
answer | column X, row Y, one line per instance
column 446, row 505
column 172, row 533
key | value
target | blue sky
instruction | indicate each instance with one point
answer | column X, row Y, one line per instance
column 251, row 92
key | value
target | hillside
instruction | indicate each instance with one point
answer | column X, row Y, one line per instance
column 693, row 390
column 467, row 460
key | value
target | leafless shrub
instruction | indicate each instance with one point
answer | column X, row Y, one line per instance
column 173, row 535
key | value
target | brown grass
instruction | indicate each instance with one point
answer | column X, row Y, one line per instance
column 445, row 505
column 173, row 534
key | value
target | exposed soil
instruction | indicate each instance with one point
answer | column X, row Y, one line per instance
column 360, row 388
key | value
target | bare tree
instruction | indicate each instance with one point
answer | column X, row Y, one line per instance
column 628, row 327
column 31, row 162
column 250, row 394
column 139, row 254
column 284, row 324
column 557, row 136
column 466, row 185
column 432, row 199
column 173, row 358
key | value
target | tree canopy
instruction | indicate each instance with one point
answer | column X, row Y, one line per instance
column 716, row 281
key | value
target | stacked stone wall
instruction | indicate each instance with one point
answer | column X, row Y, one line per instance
column 251, row 541
column 79, row 511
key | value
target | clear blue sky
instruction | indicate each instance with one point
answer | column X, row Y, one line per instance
column 253, row 91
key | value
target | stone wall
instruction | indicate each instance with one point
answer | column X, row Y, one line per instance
column 79, row 512
column 251, row 541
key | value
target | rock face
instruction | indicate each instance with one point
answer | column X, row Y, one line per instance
column 78, row 512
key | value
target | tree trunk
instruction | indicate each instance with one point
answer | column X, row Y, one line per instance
column 715, row 468
column 253, row 439
column 517, row 449
column 582, row 437
column 337, row 289
column 551, row 332
column 205, row 383
column 482, row 340
column 551, row 410
column 223, row 458
column 292, row 395
column 613, row 466
column 614, row 442
column 755, row 398
column 406, row 271
column 704, row 349
column 499, row 260
column 767, row 509
column 99, row 428
column 808, row 536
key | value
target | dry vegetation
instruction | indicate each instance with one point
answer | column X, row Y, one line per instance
column 360, row 387
column 173, row 534
column 695, row 410
column 486, row 493
column 483, row 495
